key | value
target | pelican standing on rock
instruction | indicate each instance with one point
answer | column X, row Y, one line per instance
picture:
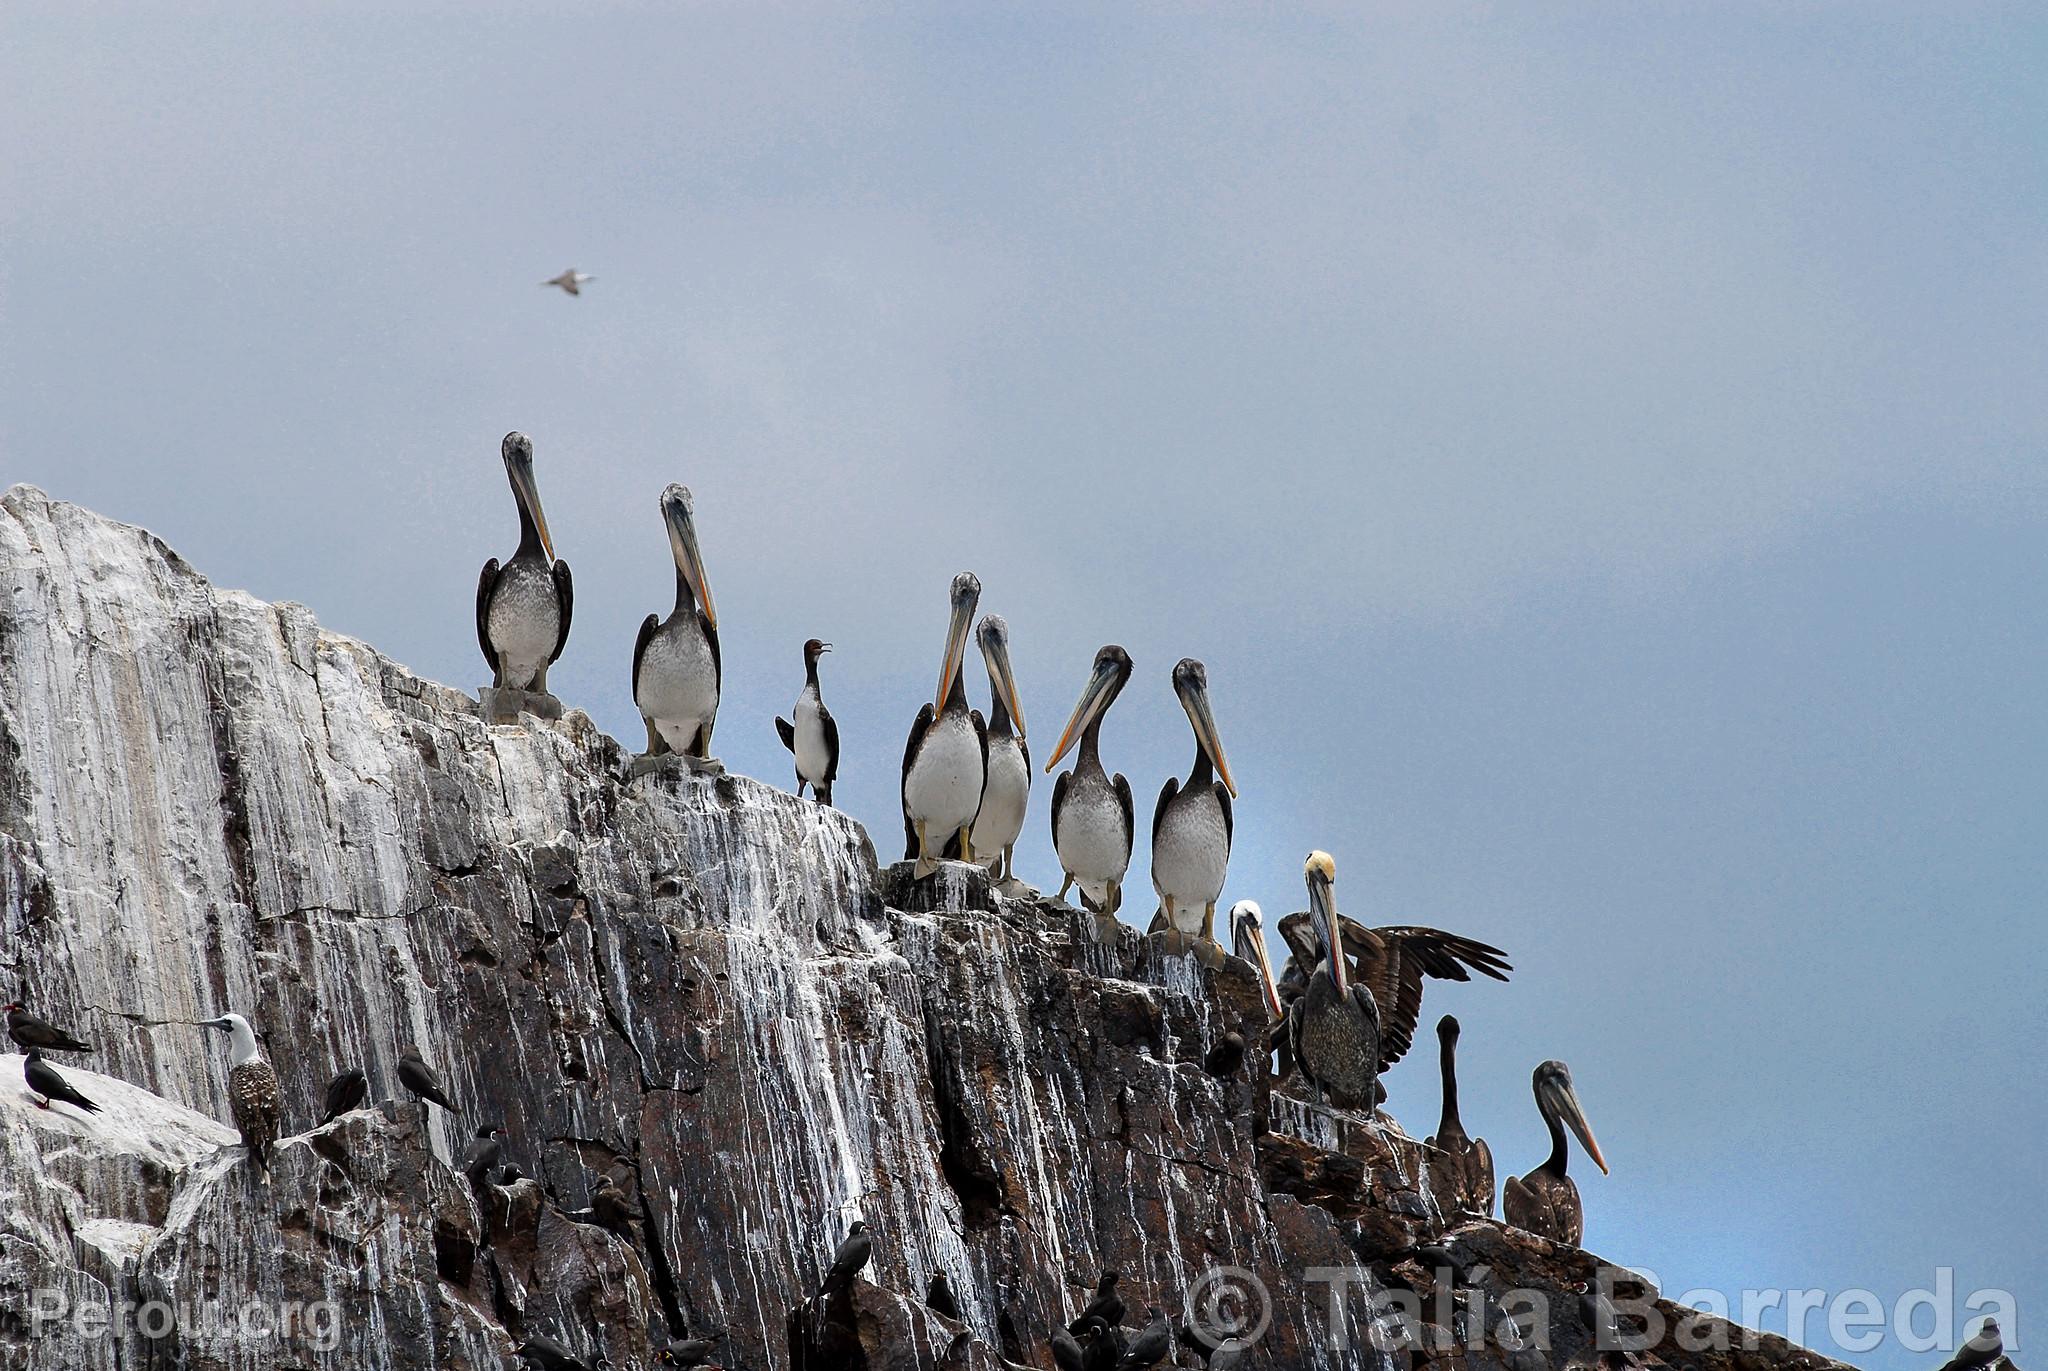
column 1008, row 788
column 1546, row 1201
column 1462, row 1177
column 1091, row 811
column 1334, row 1027
column 523, row 607
column 676, row 667
column 253, row 1093
column 1191, row 828
column 813, row 740
column 945, row 763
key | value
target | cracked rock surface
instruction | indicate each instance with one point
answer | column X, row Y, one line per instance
column 703, row 988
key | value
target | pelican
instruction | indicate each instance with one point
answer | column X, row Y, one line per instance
column 813, row 740
column 1008, row 788
column 523, row 607
column 1091, row 811
column 1191, row 827
column 571, row 281
column 676, row 668
column 1392, row 962
column 1461, row 1178
column 945, row 763
column 1334, row 1028
column 1546, row 1202
column 1248, row 940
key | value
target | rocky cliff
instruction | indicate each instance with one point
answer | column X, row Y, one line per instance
column 703, row 989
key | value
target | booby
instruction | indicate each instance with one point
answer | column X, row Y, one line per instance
column 1191, row 827
column 847, row 1260
column 1334, row 1028
column 1008, row 788
column 1546, row 1201
column 1091, row 811
column 1392, row 962
column 415, row 1075
column 1461, row 1176
column 676, row 667
column 813, row 740
column 945, row 762
column 47, row 1082
column 571, row 281
column 344, row 1093
column 253, row 1093
column 523, row 607
column 29, row 1031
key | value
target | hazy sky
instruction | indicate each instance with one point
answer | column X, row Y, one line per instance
column 1597, row 450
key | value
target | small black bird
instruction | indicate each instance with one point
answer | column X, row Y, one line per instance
column 483, row 1156
column 851, row 1256
column 29, row 1031
column 685, row 1352
column 1226, row 1058
column 1150, row 1347
column 543, row 1353
column 955, row 1354
column 44, row 1080
column 1066, row 1353
column 1099, row 1345
column 415, row 1075
column 938, row 1297
column 509, row 1175
column 1107, row 1304
column 1985, row 1346
column 344, row 1093
column 613, row 1210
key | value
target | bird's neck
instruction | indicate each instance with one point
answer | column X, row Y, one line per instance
column 242, row 1047
column 1201, row 774
column 529, row 531
column 1450, row 1123
column 686, row 597
column 1091, row 745
column 811, row 673
column 998, row 712
column 956, row 698
column 1555, row 1162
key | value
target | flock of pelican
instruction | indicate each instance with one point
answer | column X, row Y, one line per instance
column 1344, row 1008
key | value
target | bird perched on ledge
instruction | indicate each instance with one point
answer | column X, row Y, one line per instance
column 253, row 1092
column 945, row 761
column 1006, row 792
column 813, row 740
column 1092, row 824
column 852, row 1254
column 45, row 1081
column 523, row 607
column 1461, row 1179
column 29, row 1031
column 415, row 1075
column 344, row 1092
column 1546, row 1201
column 1333, row 1026
column 677, row 669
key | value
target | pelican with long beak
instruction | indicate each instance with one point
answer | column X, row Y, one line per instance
column 1334, row 1027
column 676, row 667
column 523, row 607
column 1008, row 787
column 1191, row 828
column 945, row 763
column 1248, row 941
column 1546, row 1201
column 1091, row 811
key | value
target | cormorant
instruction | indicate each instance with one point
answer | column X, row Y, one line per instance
column 813, row 740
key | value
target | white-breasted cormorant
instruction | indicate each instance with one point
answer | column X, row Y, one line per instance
column 813, row 740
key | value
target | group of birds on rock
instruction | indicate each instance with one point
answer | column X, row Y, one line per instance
column 1339, row 1019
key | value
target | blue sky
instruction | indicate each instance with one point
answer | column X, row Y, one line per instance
column 1598, row 452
